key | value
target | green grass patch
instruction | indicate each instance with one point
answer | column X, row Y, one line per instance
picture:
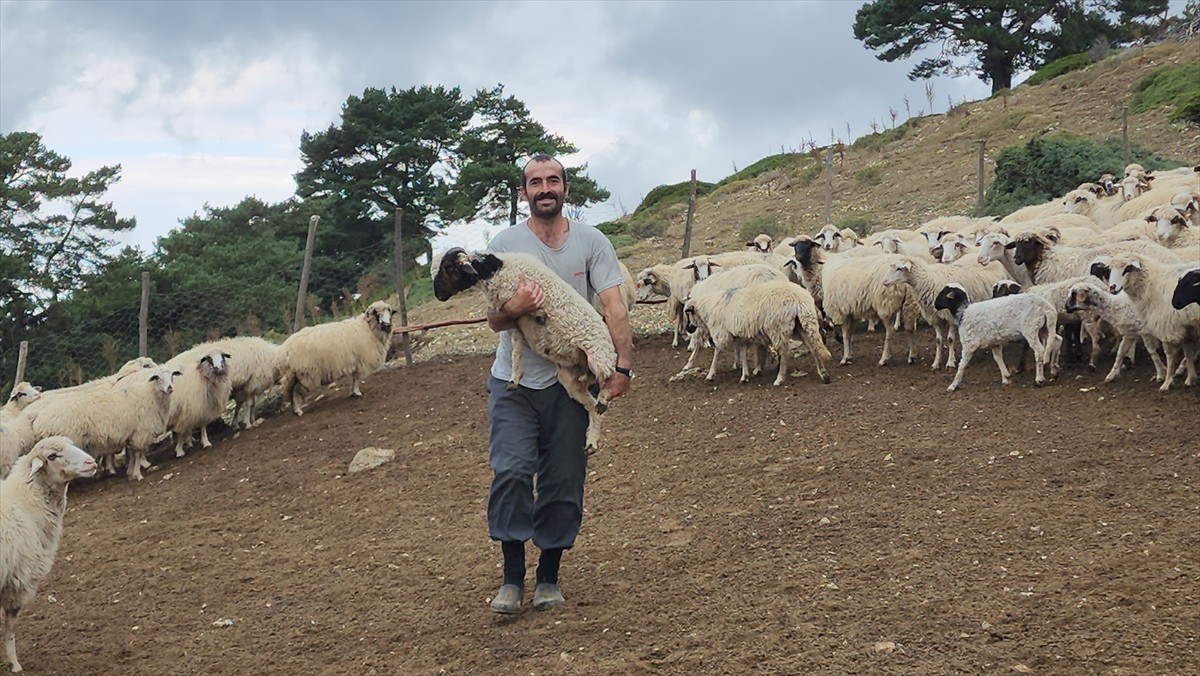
column 859, row 224
column 613, row 227
column 1174, row 86
column 676, row 193
column 620, row 241
column 869, row 176
column 420, row 286
column 783, row 161
column 883, row 137
column 763, row 225
column 1059, row 67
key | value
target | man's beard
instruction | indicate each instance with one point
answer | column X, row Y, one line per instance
column 553, row 211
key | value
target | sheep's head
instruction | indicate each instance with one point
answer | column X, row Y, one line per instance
column 1093, row 188
column 992, row 247
column 1134, row 186
column 60, row 461
column 951, row 298
column 1122, row 270
column 1188, row 203
column 690, row 322
column 1100, row 267
column 934, row 235
column 456, row 273
column 1169, row 222
column 1134, row 169
column 701, row 268
column 847, row 239
column 761, row 243
column 379, row 316
column 1028, row 249
column 807, row 251
column 1005, row 287
column 1187, row 290
column 953, row 247
column 135, row 365
column 1080, row 297
column 1079, row 202
column 164, row 379
column 899, row 272
column 828, row 237
column 1109, row 183
column 646, row 282
column 215, row 363
column 24, row 394
column 889, row 243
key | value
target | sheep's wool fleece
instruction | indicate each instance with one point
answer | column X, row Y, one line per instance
column 586, row 261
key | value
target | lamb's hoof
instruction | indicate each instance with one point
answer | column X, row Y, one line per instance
column 1165, row 387
column 601, row 407
column 912, row 360
column 511, row 386
column 709, row 377
column 825, row 378
column 1006, row 382
column 883, row 362
column 179, row 453
column 207, row 444
column 777, row 383
column 356, row 393
column 297, row 412
column 846, row 362
column 1039, row 382
column 951, row 388
column 590, row 449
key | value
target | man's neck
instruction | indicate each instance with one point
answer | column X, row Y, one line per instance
column 552, row 232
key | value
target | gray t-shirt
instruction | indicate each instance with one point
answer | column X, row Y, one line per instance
column 587, row 261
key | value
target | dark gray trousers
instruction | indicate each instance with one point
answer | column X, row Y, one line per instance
column 542, row 433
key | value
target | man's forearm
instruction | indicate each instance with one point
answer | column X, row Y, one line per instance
column 622, row 334
column 499, row 320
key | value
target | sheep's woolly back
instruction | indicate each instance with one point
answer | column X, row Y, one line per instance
column 16, row 437
column 254, row 363
column 1061, row 261
column 1118, row 310
column 1141, row 206
column 572, row 331
column 773, row 310
column 129, row 367
column 149, row 398
column 1057, row 293
column 322, row 354
column 853, row 287
column 200, row 396
column 1150, row 289
column 997, row 320
column 928, row 279
column 1033, row 212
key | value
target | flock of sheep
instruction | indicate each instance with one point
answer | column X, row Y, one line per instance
column 1112, row 258
column 1118, row 259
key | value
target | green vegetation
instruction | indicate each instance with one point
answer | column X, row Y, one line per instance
column 872, row 175
column 859, row 224
column 1177, row 86
column 620, row 241
column 1050, row 166
column 763, row 225
column 613, row 228
column 881, row 138
column 1059, row 67
column 784, row 161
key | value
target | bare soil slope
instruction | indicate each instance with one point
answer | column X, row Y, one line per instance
column 873, row 525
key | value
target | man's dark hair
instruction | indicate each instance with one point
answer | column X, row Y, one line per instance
column 543, row 157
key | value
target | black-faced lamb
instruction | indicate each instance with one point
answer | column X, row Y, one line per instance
column 325, row 353
column 1187, row 290
column 994, row 322
column 31, row 525
column 566, row 331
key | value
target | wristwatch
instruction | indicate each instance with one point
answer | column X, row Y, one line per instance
column 625, row 372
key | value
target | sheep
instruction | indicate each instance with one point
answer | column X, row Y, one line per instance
column 1104, row 212
column 1187, row 290
column 1108, row 184
column 994, row 247
column 629, row 291
column 719, row 285
column 22, row 395
column 1048, row 262
column 761, row 243
column 129, row 367
column 201, row 392
column 1005, row 287
column 565, row 330
column 1173, row 229
column 784, row 246
column 31, row 525
column 1133, row 187
column 1149, row 284
column 927, row 279
column 832, row 239
column 1120, row 313
column 15, row 436
column 151, row 396
column 997, row 321
column 852, row 288
column 322, row 354
column 771, row 311
column 903, row 242
column 254, row 367
column 1032, row 212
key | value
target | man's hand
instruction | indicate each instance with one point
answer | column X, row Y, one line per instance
column 617, row 385
column 527, row 298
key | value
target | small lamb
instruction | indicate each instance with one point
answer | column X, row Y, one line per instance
column 31, row 516
column 997, row 321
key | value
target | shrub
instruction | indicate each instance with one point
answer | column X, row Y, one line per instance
column 1177, row 86
column 859, row 224
column 883, row 137
column 1047, row 167
column 1059, row 67
column 1188, row 111
column 645, row 227
column 676, row 193
column 768, row 225
column 869, row 176
column 810, row 173
column 613, row 228
column 620, row 241
column 785, row 161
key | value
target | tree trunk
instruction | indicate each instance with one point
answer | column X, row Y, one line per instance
column 514, row 204
column 1001, row 75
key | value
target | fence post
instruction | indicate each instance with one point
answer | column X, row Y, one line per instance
column 979, row 188
column 22, row 355
column 1125, row 133
column 302, row 294
column 144, row 317
column 405, row 341
column 687, row 231
column 828, row 184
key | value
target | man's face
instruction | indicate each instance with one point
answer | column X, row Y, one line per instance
column 544, row 189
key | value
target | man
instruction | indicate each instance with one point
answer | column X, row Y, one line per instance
column 537, row 429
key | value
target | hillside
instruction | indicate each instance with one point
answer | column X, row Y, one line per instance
column 929, row 171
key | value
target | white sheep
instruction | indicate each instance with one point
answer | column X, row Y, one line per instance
column 832, row 239
column 566, row 331
column 255, row 366
column 322, row 354
column 131, row 366
column 22, row 395
column 1103, row 211
column 994, row 247
column 31, row 525
column 852, row 285
column 150, row 395
column 15, row 436
column 1050, row 262
column 1119, row 312
column 1150, row 286
column 201, row 392
column 761, row 243
column 771, row 312
column 629, row 291
column 903, row 242
column 994, row 322
column 1174, row 229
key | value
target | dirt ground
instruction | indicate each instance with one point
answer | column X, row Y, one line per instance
column 873, row 525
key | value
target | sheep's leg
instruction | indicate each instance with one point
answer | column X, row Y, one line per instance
column 872, row 325
column 742, row 359
column 1039, row 356
column 912, row 343
column 179, row 439
column 356, row 378
column 237, row 408
column 204, row 442
column 1092, row 327
column 1123, row 349
column 518, row 370
column 998, row 355
column 577, row 390
column 846, row 330
column 251, row 404
column 761, row 360
column 10, row 637
column 294, row 391
column 888, row 331
column 1152, row 345
column 962, row 367
column 939, row 333
column 953, row 345
column 690, row 365
column 1172, row 352
column 785, row 354
column 110, row 464
column 712, row 369
column 1189, row 360
column 133, row 464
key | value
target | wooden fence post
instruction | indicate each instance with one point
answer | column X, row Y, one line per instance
column 691, row 212
column 828, row 184
column 1125, row 133
column 405, row 340
column 22, row 355
column 144, row 317
column 302, row 294
column 979, row 188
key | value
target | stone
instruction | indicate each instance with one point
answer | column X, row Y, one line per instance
column 370, row 458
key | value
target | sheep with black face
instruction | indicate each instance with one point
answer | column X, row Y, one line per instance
column 994, row 322
column 566, row 330
column 1187, row 290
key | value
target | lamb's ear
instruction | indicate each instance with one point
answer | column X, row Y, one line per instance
column 225, row 355
column 1010, row 245
column 1133, row 265
column 176, row 373
column 690, row 266
column 34, row 467
column 154, row 377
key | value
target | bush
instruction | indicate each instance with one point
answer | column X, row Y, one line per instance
column 620, row 241
column 1059, row 67
column 1177, row 86
column 676, row 193
column 883, row 137
column 869, row 176
column 768, row 225
column 1048, row 167
column 645, row 227
column 613, row 228
column 859, row 224
column 786, row 161
column 810, row 173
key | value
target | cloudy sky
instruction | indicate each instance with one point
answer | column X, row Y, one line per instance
column 204, row 102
